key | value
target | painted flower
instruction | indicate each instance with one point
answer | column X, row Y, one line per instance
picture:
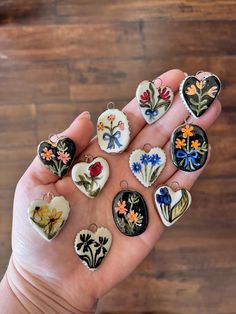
column 111, row 117
column 64, row 157
column 164, row 197
column 145, row 97
column 121, row 125
column 213, row 91
column 195, row 144
column 132, row 216
column 201, row 84
column 95, row 169
column 154, row 159
column 100, row 126
column 47, row 154
column 136, row 167
column 39, row 214
column 121, row 209
column 164, row 93
column 191, row 90
column 55, row 221
column 100, row 245
column 86, row 241
column 180, row 143
column 144, row 159
column 187, row 131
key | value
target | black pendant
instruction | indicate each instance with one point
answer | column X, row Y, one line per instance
column 130, row 212
column 189, row 147
column 57, row 156
column 198, row 95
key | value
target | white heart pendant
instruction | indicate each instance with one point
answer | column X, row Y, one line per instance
column 49, row 218
column 92, row 247
column 153, row 102
column 147, row 166
column 90, row 177
column 171, row 205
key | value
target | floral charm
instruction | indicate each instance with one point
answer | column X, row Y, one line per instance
column 147, row 166
column 171, row 205
column 198, row 95
column 49, row 218
column 189, row 147
column 113, row 131
column 90, row 177
column 130, row 212
column 93, row 247
column 153, row 102
column 57, row 156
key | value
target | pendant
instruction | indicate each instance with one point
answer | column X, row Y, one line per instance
column 57, row 156
column 92, row 247
column 153, row 102
column 130, row 212
column 48, row 218
column 113, row 130
column 198, row 95
column 90, row 176
column 170, row 204
column 189, row 147
column 147, row 165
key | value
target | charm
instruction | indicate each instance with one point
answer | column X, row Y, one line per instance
column 130, row 212
column 170, row 204
column 147, row 165
column 57, row 156
column 113, row 130
column 90, row 176
column 49, row 218
column 189, row 147
column 153, row 102
column 92, row 247
column 198, row 95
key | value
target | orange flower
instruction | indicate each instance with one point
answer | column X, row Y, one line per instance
column 47, row 154
column 100, row 126
column 111, row 117
column 121, row 207
column 64, row 157
column 212, row 91
column 179, row 143
column 200, row 84
column 121, row 125
column 187, row 131
column 132, row 216
column 195, row 144
column 191, row 90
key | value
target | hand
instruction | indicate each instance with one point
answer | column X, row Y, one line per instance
column 53, row 269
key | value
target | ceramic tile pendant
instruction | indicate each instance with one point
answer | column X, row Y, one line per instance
column 113, row 130
column 198, row 95
column 153, row 102
column 90, row 176
column 57, row 156
column 92, row 247
column 130, row 212
column 170, row 204
column 48, row 218
column 146, row 165
column 189, row 147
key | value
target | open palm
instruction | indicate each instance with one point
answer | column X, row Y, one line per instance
column 55, row 263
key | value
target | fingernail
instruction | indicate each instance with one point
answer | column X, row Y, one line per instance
column 85, row 114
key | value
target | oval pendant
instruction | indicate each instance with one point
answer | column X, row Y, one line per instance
column 189, row 147
column 130, row 212
column 113, row 131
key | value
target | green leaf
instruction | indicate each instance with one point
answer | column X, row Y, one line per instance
column 94, row 193
column 151, row 88
column 154, row 175
column 82, row 178
column 179, row 208
column 144, row 105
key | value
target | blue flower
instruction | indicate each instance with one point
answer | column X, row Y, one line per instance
column 145, row 158
column 136, row 167
column 155, row 159
column 164, row 197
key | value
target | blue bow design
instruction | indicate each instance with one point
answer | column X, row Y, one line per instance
column 188, row 156
column 112, row 138
column 151, row 113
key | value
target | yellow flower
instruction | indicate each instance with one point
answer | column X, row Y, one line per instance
column 187, row 131
column 195, row 144
column 132, row 216
column 54, row 222
column 212, row 91
column 40, row 215
column 179, row 143
column 191, row 90
column 200, row 84
column 100, row 126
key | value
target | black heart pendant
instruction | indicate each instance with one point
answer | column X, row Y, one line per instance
column 198, row 95
column 57, row 156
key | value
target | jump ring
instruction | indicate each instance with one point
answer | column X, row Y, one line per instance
column 124, row 184
column 111, row 105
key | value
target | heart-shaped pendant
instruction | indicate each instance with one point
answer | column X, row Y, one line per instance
column 49, row 218
column 171, row 205
column 57, row 156
column 90, row 177
column 189, row 147
column 153, row 102
column 92, row 247
column 198, row 95
column 147, row 166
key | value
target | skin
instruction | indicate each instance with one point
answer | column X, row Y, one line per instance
column 48, row 276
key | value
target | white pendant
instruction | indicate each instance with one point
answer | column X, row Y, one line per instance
column 147, row 166
column 49, row 218
column 90, row 177
column 171, row 205
column 92, row 247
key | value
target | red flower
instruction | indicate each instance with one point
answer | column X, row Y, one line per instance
column 145, row 97
column 95, row 169
column 164, row 94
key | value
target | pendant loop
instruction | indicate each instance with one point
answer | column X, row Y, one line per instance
column 111, row 105
column 147, row 147
column 124, row 185
column 159, row 79
column 88, row 158
column 49, row 195
column 93, row 227
column 189, row 120
column 175, row 186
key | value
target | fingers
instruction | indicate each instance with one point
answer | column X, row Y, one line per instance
column 80, row 131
